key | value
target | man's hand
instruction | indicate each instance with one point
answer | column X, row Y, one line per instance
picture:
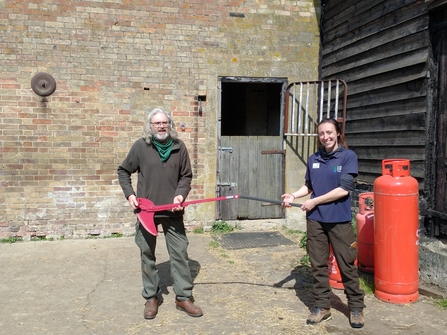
column 178, row 199
column 133, row 201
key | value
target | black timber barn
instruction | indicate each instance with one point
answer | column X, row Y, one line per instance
column 393, row 56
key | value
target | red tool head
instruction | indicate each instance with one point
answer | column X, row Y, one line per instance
column 145, row 216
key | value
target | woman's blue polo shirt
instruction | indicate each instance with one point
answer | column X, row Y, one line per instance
column 323, row 175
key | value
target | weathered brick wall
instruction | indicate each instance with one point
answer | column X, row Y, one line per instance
column 113, row 61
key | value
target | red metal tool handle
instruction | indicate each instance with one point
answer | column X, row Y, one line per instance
column 148, row 206
column 146, row 214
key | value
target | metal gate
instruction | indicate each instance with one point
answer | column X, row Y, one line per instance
column 309, row 102
column 306, row 104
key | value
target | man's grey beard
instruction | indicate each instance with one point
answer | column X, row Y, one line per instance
column 161, row 137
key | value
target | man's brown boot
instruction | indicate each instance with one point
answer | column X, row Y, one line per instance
column 151, row 308
column 318, row 315
column 188, row 307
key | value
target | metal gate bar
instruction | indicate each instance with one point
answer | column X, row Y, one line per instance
column 309, row 102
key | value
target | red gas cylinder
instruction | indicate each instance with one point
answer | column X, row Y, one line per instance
column 396, row 261
column 335, row 280
column 334, row 272
column 365, row 232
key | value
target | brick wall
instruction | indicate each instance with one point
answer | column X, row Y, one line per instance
column 113, row 61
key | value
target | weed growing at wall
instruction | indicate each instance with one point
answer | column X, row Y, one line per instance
column 11, row 239
column 198, row 230
column 221, row 227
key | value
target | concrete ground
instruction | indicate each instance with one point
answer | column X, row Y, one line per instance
column 93, row 287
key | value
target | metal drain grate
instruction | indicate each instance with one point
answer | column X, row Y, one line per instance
column 238, row 240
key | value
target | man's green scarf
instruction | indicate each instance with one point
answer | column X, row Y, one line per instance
column 164, row 149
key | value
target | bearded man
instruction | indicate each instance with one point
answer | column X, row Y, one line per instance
column 164, row 176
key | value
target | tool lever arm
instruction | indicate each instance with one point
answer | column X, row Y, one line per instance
column 277, row 202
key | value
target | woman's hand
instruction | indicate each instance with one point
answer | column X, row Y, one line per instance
column 308, row 205
column 287, row 199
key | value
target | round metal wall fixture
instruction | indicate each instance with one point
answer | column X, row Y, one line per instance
column 43, row 84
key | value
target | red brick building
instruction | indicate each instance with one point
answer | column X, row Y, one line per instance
column 112, row 62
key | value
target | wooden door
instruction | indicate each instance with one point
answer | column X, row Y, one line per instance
column 252, row 166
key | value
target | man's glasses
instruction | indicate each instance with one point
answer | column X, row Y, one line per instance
column 159, row 124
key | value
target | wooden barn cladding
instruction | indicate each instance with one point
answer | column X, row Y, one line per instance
column 393, row 57
column 381, row 49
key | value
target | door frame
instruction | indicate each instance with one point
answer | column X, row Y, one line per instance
column 242, row 79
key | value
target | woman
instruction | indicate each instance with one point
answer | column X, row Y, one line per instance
column 329, row 180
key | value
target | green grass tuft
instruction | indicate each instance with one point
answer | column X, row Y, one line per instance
column 198, row 230
column 221, row 227
column 38, row 238
column 441, row 303
column 292, row 232
column 305, row 260
column 213, row 244
column 303, row 241
column 367, row 284
column 11, row 239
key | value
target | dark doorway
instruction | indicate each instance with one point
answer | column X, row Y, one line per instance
column 251, row 109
